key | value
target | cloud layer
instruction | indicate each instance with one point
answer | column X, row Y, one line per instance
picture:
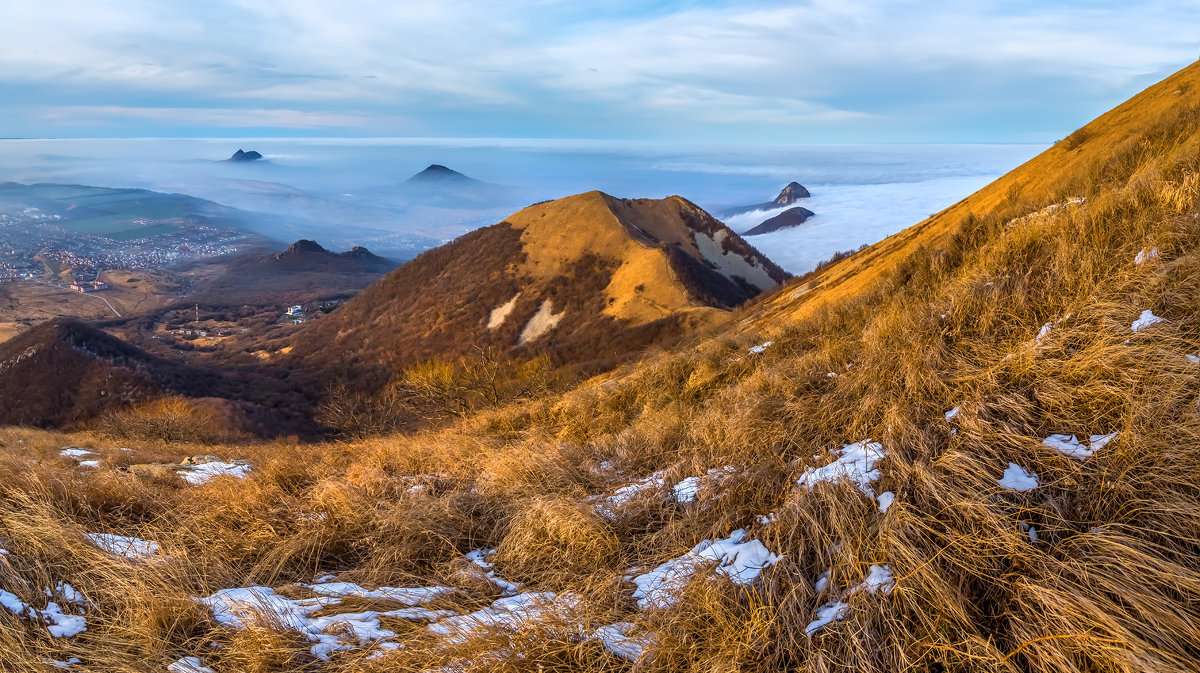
column 824, row 70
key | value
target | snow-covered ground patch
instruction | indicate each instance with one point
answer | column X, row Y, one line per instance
column 1042, row 333
column 736, row 558
column 132, row 548
column 513, row 612
column 856, row 463
column 1194, row 359
column 1145, row 255
column 480, row 558
column 76, row 452
column 685, row 491
column 239, row 608
column 885, row 501
column 189, row 665
column 952, row 414
column 879, row 580
column 408, row 595
column 757, row 350
column 618, row 642
column 1018, row 478
column 1145, row 320
column 89, row 463
column 60, row 624
column 206, row 472
column 1068, row 445
column 607, row 506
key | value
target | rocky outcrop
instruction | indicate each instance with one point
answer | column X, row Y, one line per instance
column 792, row 217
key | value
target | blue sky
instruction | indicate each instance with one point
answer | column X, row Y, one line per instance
column 689, row 71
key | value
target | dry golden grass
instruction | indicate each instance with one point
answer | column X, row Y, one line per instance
column 1112, row 582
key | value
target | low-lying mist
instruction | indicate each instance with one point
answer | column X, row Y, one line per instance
column 346, row 192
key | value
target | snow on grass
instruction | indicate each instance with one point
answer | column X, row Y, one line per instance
column 736, row 558
column 60, row 624
column 685, row 491
column 189, row 665
column 879, row 580
column 1068, row 445
column 205, row 472
column 1145, row 320
column 63, row 664
column 480, row 558
column 1030, row 531
column 1145, row 255
column 618, row 642
column 1018, row 478
column 952, row 414
column 76, row 452
column 607, row 506
column 1043, row 332
column 855, row 463
column 242, row 607
column 89, row 463
column 512, row 612
column 765, row 519
column 757, row 350
column 408, row 595
column 885, row 501
column 1194, row 359
column 132, row 548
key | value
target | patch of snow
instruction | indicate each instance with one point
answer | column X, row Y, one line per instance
column 63, row 664
column 856, row 463
column 408, row 595
column 480, row 558
column 822, row 582
column 1068, row 445
column 60, row 624
column 879, row 579
column 1146, row 319
column 831, row 374
column 76, row 452
column 685, row 491
column 607, row 506
column 1018, row 478
column 89, row 463
column 765, row 519
column 1193, row 359
column 239, row 608
column 1145, row 255
column 513, row 612
column 885, row 501
column 826, row 614
column 618, row 642
column 1043, row 332
column 501, row 312
column 120, row 545
column 952, row 414
column 757, row 350
column 735, row 557
column 189, row 665
column 1030, row 531
column 203, row 473
column 729, row 263
column 542, row 322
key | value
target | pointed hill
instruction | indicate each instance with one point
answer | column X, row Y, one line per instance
column 304, row 271
column 589, row 278
column 788, row 196
column 443, row 187
column 439, row 174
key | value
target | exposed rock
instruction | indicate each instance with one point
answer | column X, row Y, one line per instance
column 241, row 155
column 791, row 217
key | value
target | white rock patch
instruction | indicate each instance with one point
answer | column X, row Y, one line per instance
column 731, row 264
column 542, row 322
column 501, row 312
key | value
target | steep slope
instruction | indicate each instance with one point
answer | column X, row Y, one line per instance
column 587, row 278
column 1099, row 152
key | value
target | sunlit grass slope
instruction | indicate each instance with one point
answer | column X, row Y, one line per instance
column 959, row 348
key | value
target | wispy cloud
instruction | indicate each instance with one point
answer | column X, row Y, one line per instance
column 748, row 69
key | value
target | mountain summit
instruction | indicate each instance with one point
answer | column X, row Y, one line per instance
column 437, row 173
column 588, row 278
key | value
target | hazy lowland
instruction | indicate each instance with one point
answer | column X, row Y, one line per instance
column 540, row 407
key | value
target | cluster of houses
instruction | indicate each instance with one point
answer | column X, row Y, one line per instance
column 89, row 285
column 296, row 313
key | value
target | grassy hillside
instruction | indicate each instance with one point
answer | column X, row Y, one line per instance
column 959, row 348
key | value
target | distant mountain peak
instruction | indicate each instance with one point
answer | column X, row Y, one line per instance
column 304, row 246
column 793, row 192
column 242, row 155
column 440, row 173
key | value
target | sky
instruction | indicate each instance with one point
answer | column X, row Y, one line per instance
column 734, row 71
